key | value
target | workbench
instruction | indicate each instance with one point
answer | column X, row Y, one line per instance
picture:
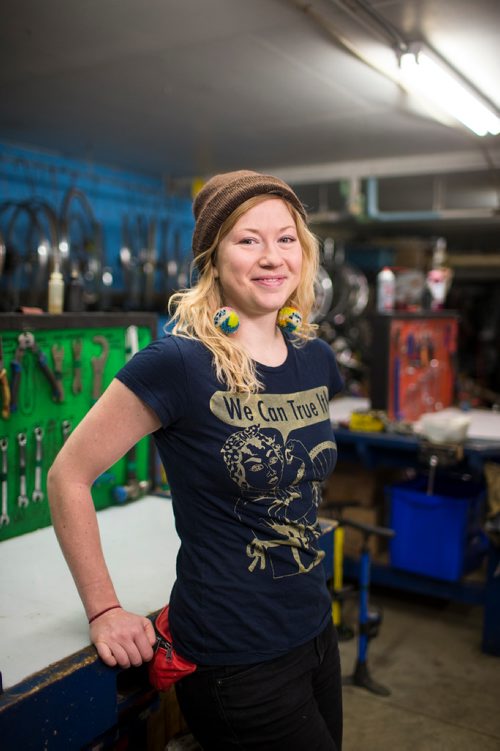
column 57, row 694
column 393, row 449
column 390, row 449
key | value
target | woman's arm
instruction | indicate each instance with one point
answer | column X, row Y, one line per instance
column 114, row 424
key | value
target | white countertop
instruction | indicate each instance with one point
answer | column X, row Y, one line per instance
column 41, row 617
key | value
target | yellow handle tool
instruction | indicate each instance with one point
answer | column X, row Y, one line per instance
column 5, row 388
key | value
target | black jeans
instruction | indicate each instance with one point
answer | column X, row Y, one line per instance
column 292, row 703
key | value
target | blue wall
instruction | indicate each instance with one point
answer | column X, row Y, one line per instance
column 113, row 194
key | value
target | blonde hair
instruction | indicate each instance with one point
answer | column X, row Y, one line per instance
column 192, row 310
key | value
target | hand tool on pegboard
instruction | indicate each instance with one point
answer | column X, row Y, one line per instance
column 22, row 498
column 4, row 386
column 76, row 346
column 27, row 341
column 98, row 365
column 58, row 358
column 16, row 369
column 4, row 480
column 134, row 488
column 37, row 494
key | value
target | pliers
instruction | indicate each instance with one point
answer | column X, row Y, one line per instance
column 4, row 386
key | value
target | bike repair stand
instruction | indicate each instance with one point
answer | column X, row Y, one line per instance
column 369, row 620
column 340, row 592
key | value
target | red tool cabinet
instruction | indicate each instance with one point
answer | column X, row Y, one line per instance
column 413, row 363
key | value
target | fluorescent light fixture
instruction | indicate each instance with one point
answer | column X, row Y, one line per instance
column 426, row 74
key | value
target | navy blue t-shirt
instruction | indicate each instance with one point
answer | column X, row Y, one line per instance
column 245, row 475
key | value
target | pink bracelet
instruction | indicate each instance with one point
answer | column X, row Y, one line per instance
column 106, row 610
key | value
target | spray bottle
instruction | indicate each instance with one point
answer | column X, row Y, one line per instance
column 386, row 290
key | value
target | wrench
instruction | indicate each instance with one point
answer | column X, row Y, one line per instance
column 77, row 366
column 37, row 494
column 22, row 498
column 98, row 364
column 58, row 358
column 4, row 518
column 15, row 367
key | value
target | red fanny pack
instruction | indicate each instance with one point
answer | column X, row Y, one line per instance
column 166, row 667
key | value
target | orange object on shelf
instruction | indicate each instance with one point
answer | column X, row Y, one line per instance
column 413, row 364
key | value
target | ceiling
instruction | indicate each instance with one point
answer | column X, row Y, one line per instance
column 191, row 87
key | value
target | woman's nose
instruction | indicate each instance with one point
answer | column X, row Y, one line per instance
column 271, row 254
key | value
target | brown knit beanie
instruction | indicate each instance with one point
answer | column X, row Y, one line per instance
column 222, row 194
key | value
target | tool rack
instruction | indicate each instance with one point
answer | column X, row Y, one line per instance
column 54, row 367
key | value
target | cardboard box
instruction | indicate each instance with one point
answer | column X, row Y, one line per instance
column 350, row 481
column 353, row 538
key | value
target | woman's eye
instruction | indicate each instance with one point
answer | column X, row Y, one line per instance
column 248, row 241
column 287, row 239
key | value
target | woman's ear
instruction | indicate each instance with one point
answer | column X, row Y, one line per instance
column 216, row 270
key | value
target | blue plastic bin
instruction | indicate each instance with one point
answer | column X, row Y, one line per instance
column 437, row 535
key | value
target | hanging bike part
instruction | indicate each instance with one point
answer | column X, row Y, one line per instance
column 323, row 295
column 81, row 245
column 134, row 241
column 163, row 262
column 28, row 250
column 182, row 262
column 148, row 257
column 350, row 286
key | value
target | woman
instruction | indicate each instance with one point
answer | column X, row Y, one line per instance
column 239, row 413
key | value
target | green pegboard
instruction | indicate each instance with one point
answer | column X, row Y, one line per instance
column 59, row 404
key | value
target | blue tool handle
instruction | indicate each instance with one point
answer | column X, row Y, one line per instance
column 42, row 361
column 14, row 384
column 120, row 494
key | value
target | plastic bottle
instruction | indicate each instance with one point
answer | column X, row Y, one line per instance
column 56, row 291
column 75, row 301
column 386, row 290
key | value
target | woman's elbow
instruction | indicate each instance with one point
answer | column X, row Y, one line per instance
column 54, row 476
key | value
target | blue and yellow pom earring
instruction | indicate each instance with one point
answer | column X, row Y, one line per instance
column 227, row 320
column 289, row 319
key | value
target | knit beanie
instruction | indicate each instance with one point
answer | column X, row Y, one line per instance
column 223, row 193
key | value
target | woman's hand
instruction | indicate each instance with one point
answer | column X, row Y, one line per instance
column 123, row 638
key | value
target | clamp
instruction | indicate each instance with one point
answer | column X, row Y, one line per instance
column 27, row 341
column 4, row 386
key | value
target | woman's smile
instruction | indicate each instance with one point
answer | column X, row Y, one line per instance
column 270, row 281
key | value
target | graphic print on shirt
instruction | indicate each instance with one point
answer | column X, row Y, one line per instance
column 278, row 478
